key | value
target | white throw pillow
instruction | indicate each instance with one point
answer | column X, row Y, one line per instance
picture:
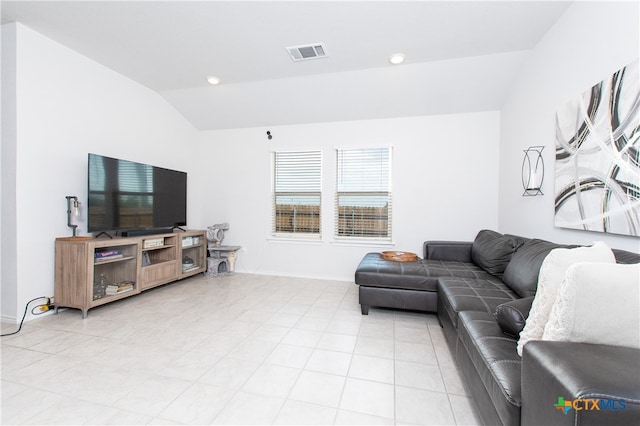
column 597, row 303
column 552, row 272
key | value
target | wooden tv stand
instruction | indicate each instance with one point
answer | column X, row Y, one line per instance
column 93, row 272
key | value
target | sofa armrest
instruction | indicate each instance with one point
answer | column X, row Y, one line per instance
column 600, row 382
column 448, row 250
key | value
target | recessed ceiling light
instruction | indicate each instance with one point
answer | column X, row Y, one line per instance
column 396, row 58
column 213, row 80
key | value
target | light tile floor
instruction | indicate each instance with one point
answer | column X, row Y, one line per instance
column 243, row 349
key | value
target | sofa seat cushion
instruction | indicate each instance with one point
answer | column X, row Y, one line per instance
column 374, row 271
column 496, row 361
column 466, row 294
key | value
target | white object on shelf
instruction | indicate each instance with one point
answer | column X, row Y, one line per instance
column 189, row 267
column 153, row 242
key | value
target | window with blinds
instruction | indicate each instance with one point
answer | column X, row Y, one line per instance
column 297, row 183
column 363, row 193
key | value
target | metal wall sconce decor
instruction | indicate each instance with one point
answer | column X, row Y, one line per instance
column 532, row 171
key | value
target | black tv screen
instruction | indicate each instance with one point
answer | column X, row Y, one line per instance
column 125, row 195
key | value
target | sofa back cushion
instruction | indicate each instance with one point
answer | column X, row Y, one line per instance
column 521, row 274
column 492, row 251
column 626, row 257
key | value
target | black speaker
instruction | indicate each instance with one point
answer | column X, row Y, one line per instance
column 139, row 232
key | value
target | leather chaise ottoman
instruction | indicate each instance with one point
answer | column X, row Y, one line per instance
column 407, row 285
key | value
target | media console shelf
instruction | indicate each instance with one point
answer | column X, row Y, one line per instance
column 158, row 263
column 90, row 273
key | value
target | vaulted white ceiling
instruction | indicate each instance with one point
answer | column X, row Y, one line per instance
column 460, row 56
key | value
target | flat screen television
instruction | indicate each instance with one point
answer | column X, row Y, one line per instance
column 125, row 195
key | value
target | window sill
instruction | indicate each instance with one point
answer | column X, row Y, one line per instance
column 363, row 243
column 296, row 240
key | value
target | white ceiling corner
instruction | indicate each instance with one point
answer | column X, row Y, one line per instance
column 459, row 54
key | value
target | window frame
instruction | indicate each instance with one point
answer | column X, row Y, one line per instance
column 316, row 216
column 388, row 194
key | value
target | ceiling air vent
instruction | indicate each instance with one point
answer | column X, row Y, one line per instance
column 310, row 51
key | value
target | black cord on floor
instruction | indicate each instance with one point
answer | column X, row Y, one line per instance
column 25, row 313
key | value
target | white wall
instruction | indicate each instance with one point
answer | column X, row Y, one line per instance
column 8, row 236
column 445, row 175
column 67, row 106
column 587, row 44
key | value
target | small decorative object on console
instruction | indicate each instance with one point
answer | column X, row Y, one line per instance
column 188, row 264
column 153, row 242
column 73, row 211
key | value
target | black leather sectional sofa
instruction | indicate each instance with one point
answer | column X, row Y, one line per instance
column 482, row 292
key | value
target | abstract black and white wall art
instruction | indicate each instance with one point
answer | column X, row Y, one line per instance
column 597, row 176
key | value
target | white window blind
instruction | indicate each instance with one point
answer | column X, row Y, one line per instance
column 296, row 192
column 363, row 193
